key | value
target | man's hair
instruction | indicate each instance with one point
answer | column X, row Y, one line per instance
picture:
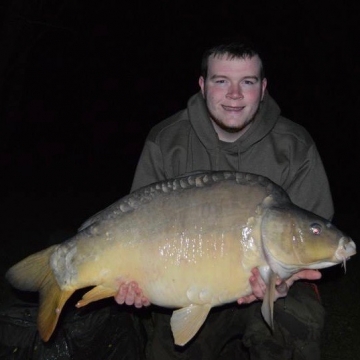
column 232, row 49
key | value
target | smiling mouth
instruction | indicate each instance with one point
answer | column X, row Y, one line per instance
column 232, row 108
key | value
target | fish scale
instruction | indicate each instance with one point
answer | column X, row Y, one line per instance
column 190, row 243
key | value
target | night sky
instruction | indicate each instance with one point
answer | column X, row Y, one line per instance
column 82, row 83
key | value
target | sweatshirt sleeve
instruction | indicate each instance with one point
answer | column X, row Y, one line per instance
column 150, row 167
column 310, row 188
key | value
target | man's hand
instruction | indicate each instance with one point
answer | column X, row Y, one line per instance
column 131, row 294
column 282, row 287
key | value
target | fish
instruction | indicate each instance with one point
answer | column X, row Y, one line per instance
column 190, row 243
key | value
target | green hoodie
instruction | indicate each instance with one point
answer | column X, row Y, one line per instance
column 273, row 146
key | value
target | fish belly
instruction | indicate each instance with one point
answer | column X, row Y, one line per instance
column 182, row 248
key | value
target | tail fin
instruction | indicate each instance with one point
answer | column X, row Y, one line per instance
column 34, row 274
column 52, row 300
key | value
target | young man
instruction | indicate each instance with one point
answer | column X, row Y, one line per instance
column 234, row 124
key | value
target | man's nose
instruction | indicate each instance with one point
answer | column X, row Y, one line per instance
column 235, row 92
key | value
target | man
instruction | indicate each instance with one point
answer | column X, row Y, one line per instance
column 234, row 124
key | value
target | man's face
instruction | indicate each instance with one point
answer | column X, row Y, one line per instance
column 232, row 91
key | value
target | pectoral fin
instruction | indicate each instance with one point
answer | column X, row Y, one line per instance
column 186, row 322
column 267, row 308
column 97, row 293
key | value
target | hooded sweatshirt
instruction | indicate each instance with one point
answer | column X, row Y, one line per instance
column 273, row 146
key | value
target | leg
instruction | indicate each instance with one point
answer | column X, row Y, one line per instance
column 299, row 320
column 219, row 329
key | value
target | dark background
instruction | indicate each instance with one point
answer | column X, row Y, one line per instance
column 82, row 83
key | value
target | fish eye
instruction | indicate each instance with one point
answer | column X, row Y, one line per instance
column 315, row 228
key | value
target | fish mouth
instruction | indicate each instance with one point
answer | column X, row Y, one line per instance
column 345, row 250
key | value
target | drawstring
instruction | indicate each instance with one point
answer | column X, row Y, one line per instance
column 190, row 159
column 214, row 159
column 217, row 158
column 239, row 159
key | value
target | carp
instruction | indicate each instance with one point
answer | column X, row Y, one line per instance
column 190, row 243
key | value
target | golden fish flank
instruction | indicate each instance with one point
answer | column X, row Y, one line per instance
column 190, row 243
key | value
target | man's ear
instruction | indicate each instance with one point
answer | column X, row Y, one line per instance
column 202, row 85
column 263, row 88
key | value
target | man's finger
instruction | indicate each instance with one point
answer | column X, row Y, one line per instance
column 304, row 275
column 282, row 289
column 247, row 299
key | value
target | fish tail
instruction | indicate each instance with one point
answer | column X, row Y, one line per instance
column 34, row 274
column 30, row 273
column 52, row 300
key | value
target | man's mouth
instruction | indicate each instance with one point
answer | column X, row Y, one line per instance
column 232, row 108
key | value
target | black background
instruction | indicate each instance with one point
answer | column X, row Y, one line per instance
column 82, row 83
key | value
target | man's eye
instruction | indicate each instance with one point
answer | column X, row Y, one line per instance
column 248, row 82
column 220, row 81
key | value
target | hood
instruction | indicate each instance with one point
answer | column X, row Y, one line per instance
column 264, row 121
